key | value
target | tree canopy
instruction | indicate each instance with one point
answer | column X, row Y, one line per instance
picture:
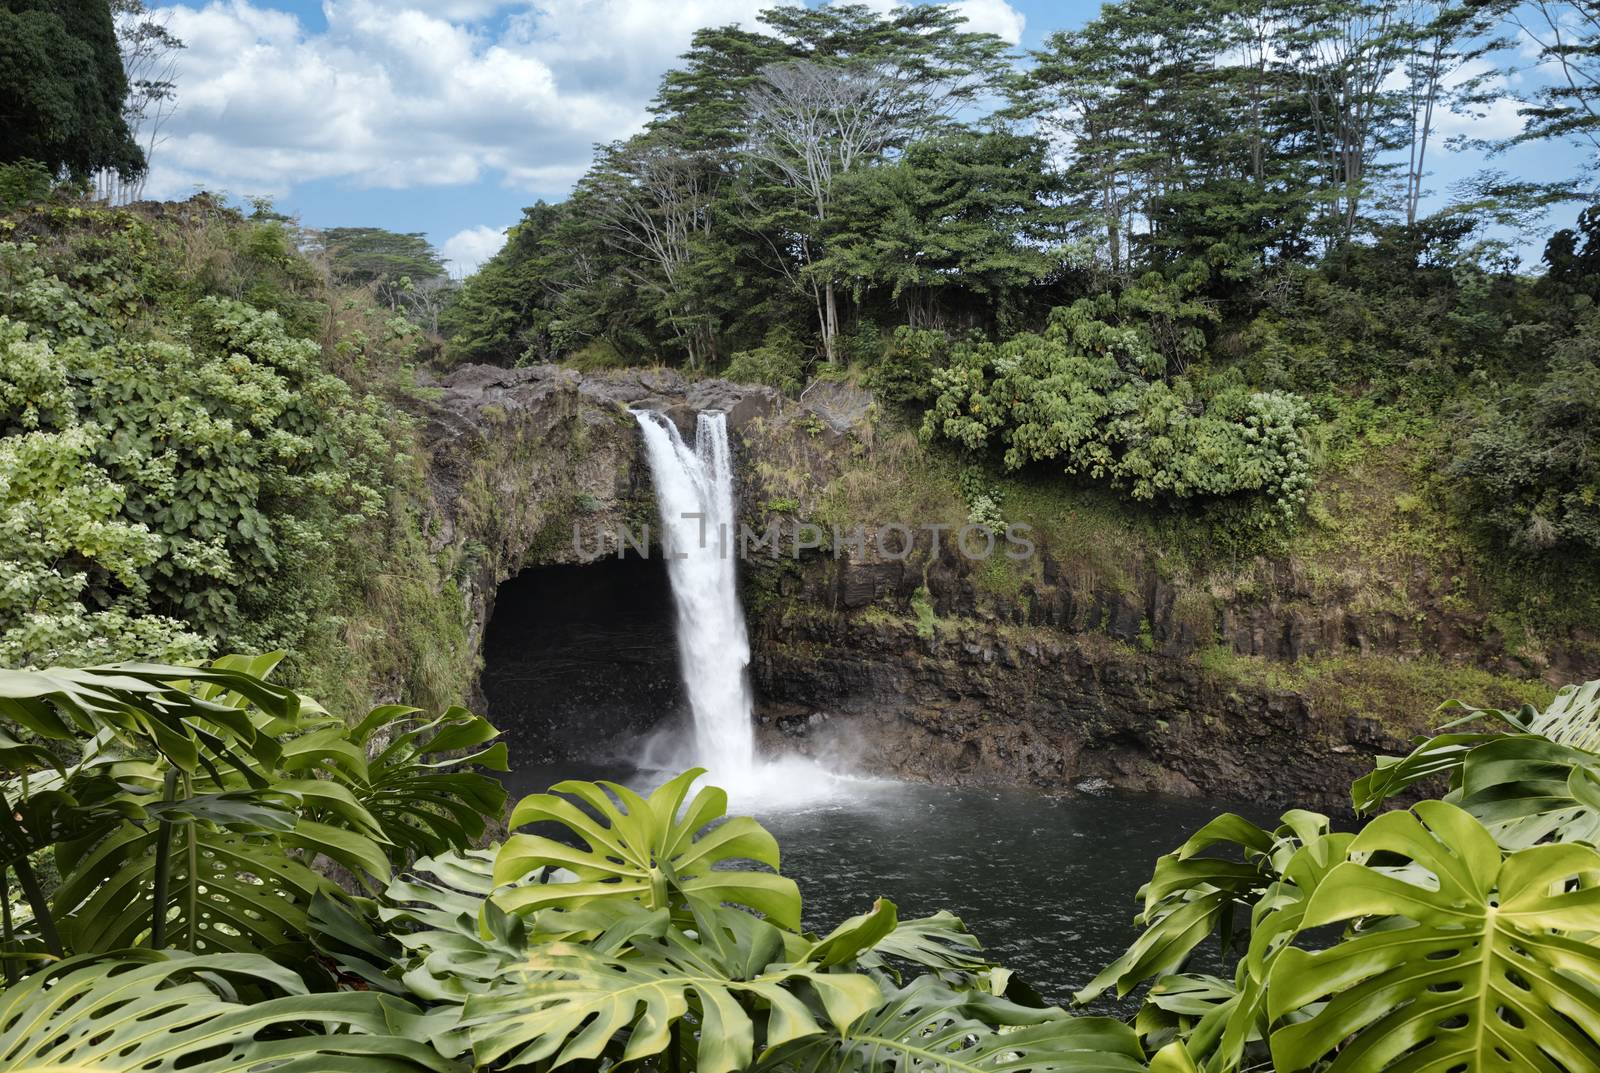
column 62, row 89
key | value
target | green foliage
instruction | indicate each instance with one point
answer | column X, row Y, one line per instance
column 569, row 1002
column 984, row 499
column 1481, row 956
column 958, row 220
column 1527, row 462
column 513, row 305
column 199, row 440
column 387, row 260
column 62, row 78
column 669, row 978
column 904, row 372
column 1085, row 395
column 23, row 183
column 185, row 806
column 1529, row 776
column 418, row 785
column 240, row 457
column 780, row 361
column 1469, row 923
column 643, row 850
column 149, row 1011
column 927, row 1025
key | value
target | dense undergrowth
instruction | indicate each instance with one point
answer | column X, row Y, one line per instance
column 202, row 437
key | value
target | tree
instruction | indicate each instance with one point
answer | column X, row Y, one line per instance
column 390, row 262
column 952, row 229
column 1566, row 36
column 1183, row 134
column 811, row 124
column 1439, row 39
column 868, row 88
column 653, row 199
column 149, row 52
column 556, row 285
column 62, row 82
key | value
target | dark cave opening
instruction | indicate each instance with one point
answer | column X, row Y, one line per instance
column 579, row 660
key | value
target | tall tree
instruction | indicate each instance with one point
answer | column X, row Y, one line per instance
column 388, row 261
column 1182, row 131
column 952, row 229
column 149, row 51
column 865, row 88
column 62, row 89
column 653, row 200
column 1345, row 53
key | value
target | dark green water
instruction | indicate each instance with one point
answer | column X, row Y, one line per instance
column 1046, row 883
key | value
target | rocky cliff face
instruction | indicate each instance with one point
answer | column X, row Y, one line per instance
column 1086, row 665
column 542, row 466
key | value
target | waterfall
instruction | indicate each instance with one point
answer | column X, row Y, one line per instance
column 694, row 490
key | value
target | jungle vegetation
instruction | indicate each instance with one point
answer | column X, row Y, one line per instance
column 1234, row 274
column 169, row 831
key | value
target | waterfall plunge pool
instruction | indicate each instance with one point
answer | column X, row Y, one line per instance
column 1046, row 883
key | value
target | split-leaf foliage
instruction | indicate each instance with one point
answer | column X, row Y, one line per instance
column 172, row 832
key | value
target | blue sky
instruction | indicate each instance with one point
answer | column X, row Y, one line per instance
column 448, row 116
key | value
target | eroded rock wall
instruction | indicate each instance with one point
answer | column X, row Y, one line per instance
column 1084, row 666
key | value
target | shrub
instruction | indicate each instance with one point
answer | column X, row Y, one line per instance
column 904, row 372
column 24, row 182
column 1528, row 459
column 178, row 465
column 1084, row 395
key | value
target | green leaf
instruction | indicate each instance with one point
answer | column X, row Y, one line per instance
column 425, row 801
column 657, row 851
column 226, row 890
column 1481, row 964
column 932, row 1028
column 163, row 1012
column 1192, row 897
column 567, row 1002
column 859, row 933
column 940, row 942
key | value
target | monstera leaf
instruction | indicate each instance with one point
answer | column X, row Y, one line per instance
column 1192, row 896
column 1440, row 756
column 438, row 906
column 656, row 851
column 160, row 1012
column 1539, row 782
column 223, row 890
column 1527, row 789
column 1479, row 963
column 623, row 995
column 931, row 1028
column 1214, row 1024
column 940, row 942
column 426, row 799
column 165, row 709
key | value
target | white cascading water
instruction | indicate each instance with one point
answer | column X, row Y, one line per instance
column 694, row 489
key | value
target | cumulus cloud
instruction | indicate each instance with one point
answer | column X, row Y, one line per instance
column 994, row 17
column 400, row 93
column 466, row 250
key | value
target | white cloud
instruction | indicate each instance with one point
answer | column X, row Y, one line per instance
column 400, row 93
column 994, row 17
column 405, row 93
column 465, row 250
